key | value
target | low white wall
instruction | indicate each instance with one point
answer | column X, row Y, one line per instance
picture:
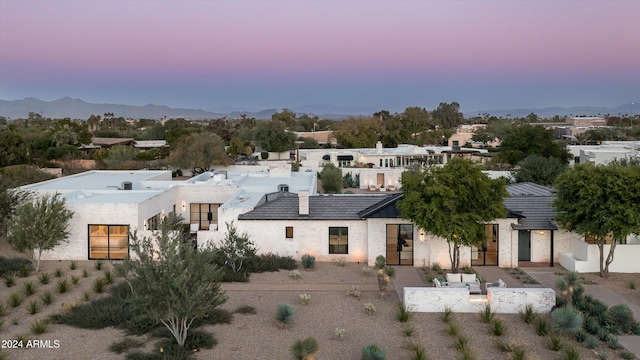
column 585, row 257
column 501, row 300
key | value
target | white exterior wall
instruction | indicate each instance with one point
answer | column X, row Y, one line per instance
column 309, row 237
column 507, row 243
column 377, row 240
column 585, row 257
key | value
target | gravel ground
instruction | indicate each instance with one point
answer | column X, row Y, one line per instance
column 252, row 336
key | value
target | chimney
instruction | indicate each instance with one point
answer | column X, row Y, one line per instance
column 303, row 202
column 379, row 147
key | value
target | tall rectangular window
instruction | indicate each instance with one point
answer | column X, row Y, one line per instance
column 338, row 240
column 204, row 215
column 108, row 242
column 289, row 232
column 153, row 223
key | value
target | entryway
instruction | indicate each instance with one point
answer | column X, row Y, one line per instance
column 399, row 244
column 524, row 245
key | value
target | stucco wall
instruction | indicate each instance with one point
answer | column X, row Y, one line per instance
column 585, row 257
column 309, row 237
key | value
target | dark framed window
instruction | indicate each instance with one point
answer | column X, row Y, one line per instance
column 288, row 232
column 204, row 215
column 338, row 240
column 153, row 223
column 108, row 242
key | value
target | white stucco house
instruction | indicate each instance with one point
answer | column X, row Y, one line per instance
column 282, row 213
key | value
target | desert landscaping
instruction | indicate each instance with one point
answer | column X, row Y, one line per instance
column 254, row 333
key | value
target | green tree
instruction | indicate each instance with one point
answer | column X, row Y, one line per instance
column 448, row 115
column 171, row 281
column 524, row 140
column 358, row 132
column 39, row 225
column 13, row 149
column 198, row 152
column 538, row 169
column 600, row 201
column 239, row 148
column 331, row 178
column 452, row 202
column 273, row 136
column 236, row 248
column 287, row 116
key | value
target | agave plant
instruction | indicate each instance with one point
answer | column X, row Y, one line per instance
column 566, row 320
column 284, row 314
column 373, row 352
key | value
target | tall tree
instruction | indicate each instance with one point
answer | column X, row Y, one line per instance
column 600, row 201
column 358, row 132
column 538, row 169
column 171, row 281
column 273, row 136
column 331, row 178
column 38, row 226
column 524, row 140
column 287, row 116
column 198, row 152
column 448, row 115
column 452, row 202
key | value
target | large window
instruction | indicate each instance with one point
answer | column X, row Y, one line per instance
column 108, row 241
column 338, row 240
column 205, row 215
column 153, row 223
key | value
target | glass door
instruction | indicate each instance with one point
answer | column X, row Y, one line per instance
column 399, row 244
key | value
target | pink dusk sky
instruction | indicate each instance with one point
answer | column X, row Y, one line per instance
column 252, row 55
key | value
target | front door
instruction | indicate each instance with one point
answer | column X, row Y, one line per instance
column 487, row 253
column 524, row 245
column 399, row 244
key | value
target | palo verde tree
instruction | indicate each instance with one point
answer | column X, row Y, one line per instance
column 602, row 202
column 452, row 202
column 171, row 281
column 39, row 225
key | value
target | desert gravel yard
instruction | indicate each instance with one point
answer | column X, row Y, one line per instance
column 256, row 335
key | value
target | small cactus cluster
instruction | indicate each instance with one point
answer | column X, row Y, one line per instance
column 339, row 333
column 305, row 298
column 370, row 308
column 294, row 274
column 355, row 291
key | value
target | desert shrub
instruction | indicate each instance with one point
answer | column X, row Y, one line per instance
column 527, row 315
column 62, row 286
column 436, row 267
column 408, row 329
column 3, row 310
column 285, row 314
column 85, row 273
column 417, row 349
column 107, row 311
column 453, row 329
column 125, row 345
column 366, row 271
column 628, row 355
column 39, row 327
column 269, row 262
column 139, row 325
column 592, row 343
column 355, row 291
column 580, row 336
column 246, row 309
column 137, row 355
column 566, row 320
column 99, row 286
column 373, row 352
column 305, row 298
column 497, row 327
column 486, row 315
column 98, row 265
column 44, row 278
column 468, row 269
column 390, row 271
column 9, row 278
column 621, row 316
column 591, row 324
column 342, row 262
column 74, row 280
column 294, row 274
column 13, row 265
column 308, row 261
column 461, row 343
column 504, row 346
column 29, row 288
column 381, row 262
column 541, row 324
column 403, row 313
column 370, row 308
column 58, row 272
column 33, row 307
column 554, row 343
column 570, row 353
column 302, row 349
column 72, row 265
column 603, row 334
column 447, row 315
column 15, row 300
column 613, row 342
column 519, row 353
column 108, row 277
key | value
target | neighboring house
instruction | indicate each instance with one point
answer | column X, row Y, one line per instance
column 605, row 152
column 107, row 143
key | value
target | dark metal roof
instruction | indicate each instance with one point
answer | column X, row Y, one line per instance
column 536, row 211
column 386, row 209
column 326, row 207
column 528, row 189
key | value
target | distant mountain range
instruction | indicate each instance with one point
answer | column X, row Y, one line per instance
column 79, row 109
